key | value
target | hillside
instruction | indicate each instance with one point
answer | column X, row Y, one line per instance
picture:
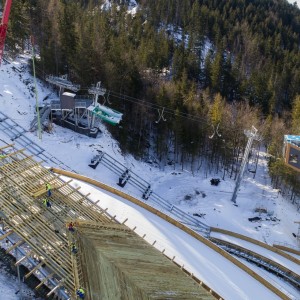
column 192, row 193
column 202, row 65
column 189, row 77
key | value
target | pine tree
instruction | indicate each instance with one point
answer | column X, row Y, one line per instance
column 296, row 116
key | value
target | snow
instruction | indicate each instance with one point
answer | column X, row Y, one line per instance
column 9, row 286
column 132, row 6
column 216, row 271
column 191, row 192
column 295, row 1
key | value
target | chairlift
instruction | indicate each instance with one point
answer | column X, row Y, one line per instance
column 107, row 114
column 253, row 161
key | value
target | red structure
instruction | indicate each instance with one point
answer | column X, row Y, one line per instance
column 3, row 26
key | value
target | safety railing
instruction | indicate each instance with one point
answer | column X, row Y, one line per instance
column 143, row 186
column 17, row 134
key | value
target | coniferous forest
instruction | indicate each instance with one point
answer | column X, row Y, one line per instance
column 189, row 75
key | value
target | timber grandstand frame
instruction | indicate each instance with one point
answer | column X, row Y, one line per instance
column 42, row 231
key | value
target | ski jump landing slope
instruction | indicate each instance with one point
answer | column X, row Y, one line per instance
column 201, row 258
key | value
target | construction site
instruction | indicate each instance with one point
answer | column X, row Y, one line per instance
column 99, row 254
column 68, row 247
column 110, row 261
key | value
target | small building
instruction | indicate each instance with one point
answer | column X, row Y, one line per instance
column 67, row 100
column 291, row 151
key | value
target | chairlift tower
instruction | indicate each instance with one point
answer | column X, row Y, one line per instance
column 63, row 83
column 97, row 91
column 252, row 135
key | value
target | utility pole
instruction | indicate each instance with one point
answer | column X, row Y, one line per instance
column 298, row 234
column 36, row 94
column 251, row 137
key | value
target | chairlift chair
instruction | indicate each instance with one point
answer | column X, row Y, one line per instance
column 107, row 114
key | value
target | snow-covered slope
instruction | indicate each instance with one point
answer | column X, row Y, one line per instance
column 193, row 194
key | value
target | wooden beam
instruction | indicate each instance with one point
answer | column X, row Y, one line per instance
column 73, row 191
column 34, row 269
column 16, row 152
column 15, row 246
column 54, row 289
column 64, row 184
column 7, row 146
column 43, row 281
column 24, row 257
column 38, row 192
column 4, row 236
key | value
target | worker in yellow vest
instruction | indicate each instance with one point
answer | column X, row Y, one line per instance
column 46, row 202
column 73, row 248
column 48, row 189
column 80, row 293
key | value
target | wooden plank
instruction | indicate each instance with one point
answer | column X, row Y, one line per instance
column 34, row 269
column 24, row 257
column 53, row 290
column 15, row 246
column 4, row 236
column 43, row 281
column 7, row 146
column 15, row 153
column 39, row 192
column 288, row 249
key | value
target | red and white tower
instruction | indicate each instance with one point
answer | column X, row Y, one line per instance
column 3, row 26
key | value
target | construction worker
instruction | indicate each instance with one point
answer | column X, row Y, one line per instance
column 74, row 249
column 48, row 189
column 80, row 293
column 71, row 227
column 46, row 202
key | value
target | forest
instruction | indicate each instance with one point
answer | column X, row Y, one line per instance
column 189, row 75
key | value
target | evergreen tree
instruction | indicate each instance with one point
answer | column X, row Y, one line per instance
column 296, row 116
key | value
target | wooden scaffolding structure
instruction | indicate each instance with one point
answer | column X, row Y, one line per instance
column 22, row 191
column 113, row 262
column 110, row 259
